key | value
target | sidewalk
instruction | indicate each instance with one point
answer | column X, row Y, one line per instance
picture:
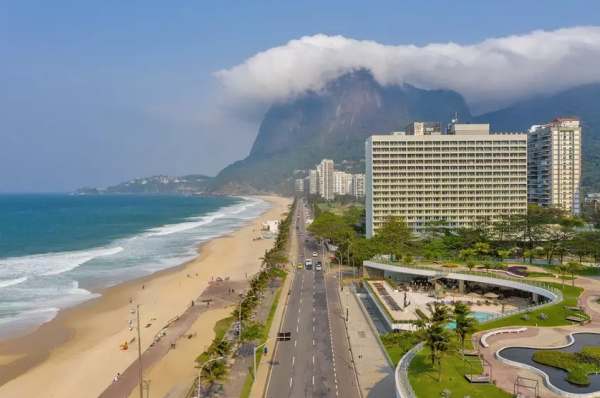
column 375, row 375
column 264, row 366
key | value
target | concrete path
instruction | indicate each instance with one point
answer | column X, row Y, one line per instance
column 375, row 375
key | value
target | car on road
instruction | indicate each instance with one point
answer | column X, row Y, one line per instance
column 315, row 254
column 300, row 266
column 318, row 267
column 308, row 264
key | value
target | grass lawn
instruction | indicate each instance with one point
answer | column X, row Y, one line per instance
column 555, row 313
column 424, row 378
column 398, row 343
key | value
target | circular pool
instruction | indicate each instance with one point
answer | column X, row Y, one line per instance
column 554, row 376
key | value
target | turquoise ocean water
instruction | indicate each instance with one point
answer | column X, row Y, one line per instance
column 54, row 249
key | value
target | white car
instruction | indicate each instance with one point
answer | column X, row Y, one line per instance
column 315, row 254
column 318, row 267
column 308, row 262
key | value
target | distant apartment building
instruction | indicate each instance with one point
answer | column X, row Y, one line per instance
column 424, row 128
column 358, row 185
column 592, row 200
column 313, row 182
column 342, row 183
column 299, row 185
column 554, row 164
column 461, row 177
column 325, row 173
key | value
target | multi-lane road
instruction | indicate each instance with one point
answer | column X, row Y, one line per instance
column 316, row 362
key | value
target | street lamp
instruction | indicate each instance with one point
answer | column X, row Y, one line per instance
column 254, row 356
column 200, row 372
column 139, row 344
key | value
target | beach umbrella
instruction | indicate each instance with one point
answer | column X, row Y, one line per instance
column 491, row 295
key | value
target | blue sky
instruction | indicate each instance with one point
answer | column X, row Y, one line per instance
column 96, row 93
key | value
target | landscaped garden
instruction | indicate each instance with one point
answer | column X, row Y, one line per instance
column 578, row 365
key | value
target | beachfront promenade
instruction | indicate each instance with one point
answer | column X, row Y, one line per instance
column 217, row 294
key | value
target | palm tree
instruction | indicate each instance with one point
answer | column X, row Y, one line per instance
column 432, row 328
column 465, row 323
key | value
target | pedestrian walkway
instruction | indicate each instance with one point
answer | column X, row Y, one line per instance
column 375, row 375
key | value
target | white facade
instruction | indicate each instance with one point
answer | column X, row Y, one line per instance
column 459, row 178
column 325, row 172
column 358, row 185
column 342, row 183
column 554, row 152
column 313, row 182
column 299, row 185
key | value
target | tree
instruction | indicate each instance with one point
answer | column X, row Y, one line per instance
column 573, row 267
column 562, row 271
column 329, row 226
column 432, row 329
column 465, row 323
column 395, row 237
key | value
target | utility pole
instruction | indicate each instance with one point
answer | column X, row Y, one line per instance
column 139, row 340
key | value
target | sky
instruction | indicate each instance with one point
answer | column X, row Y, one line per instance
column 95, row 93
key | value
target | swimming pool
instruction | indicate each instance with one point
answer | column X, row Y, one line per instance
column 480, row 316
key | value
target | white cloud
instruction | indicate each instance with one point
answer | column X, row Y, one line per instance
column 495, row 71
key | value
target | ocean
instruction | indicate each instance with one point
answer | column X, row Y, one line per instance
column 55, row 250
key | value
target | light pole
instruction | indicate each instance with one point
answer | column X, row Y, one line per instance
column 254, row 357
column 139, row 344
column 200, row 372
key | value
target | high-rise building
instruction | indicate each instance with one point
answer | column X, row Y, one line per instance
column 299, row 185
column 358, row 185
column 460, row 178
column 554, row 164
column 313, row 182
column 325, row 171
column 342, row 183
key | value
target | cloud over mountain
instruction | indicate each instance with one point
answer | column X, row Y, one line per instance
column 495, row 71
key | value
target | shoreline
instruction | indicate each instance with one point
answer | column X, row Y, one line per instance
column 82, row 330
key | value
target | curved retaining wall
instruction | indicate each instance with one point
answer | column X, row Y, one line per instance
column 403, row 387
column 543, row 374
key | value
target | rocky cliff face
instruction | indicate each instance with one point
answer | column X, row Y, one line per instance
column 332, row 123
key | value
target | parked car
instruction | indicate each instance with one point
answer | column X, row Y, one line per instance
column 318, row 267
column 315, row 254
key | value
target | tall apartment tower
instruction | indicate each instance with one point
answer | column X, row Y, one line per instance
column 325, row 171
column 554, row 164
column 313, row 182
column 462, row 177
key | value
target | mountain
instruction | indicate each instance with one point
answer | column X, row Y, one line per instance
column 331, row 123
column 582, row 101
column 190, row 184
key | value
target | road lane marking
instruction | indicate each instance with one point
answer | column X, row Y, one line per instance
column 296, row 328
column 313, row 359
column 293, row 360
column 291, row 382
column 313, row 380
column 295, row 341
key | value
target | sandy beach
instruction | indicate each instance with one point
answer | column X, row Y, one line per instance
column 78, row 353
